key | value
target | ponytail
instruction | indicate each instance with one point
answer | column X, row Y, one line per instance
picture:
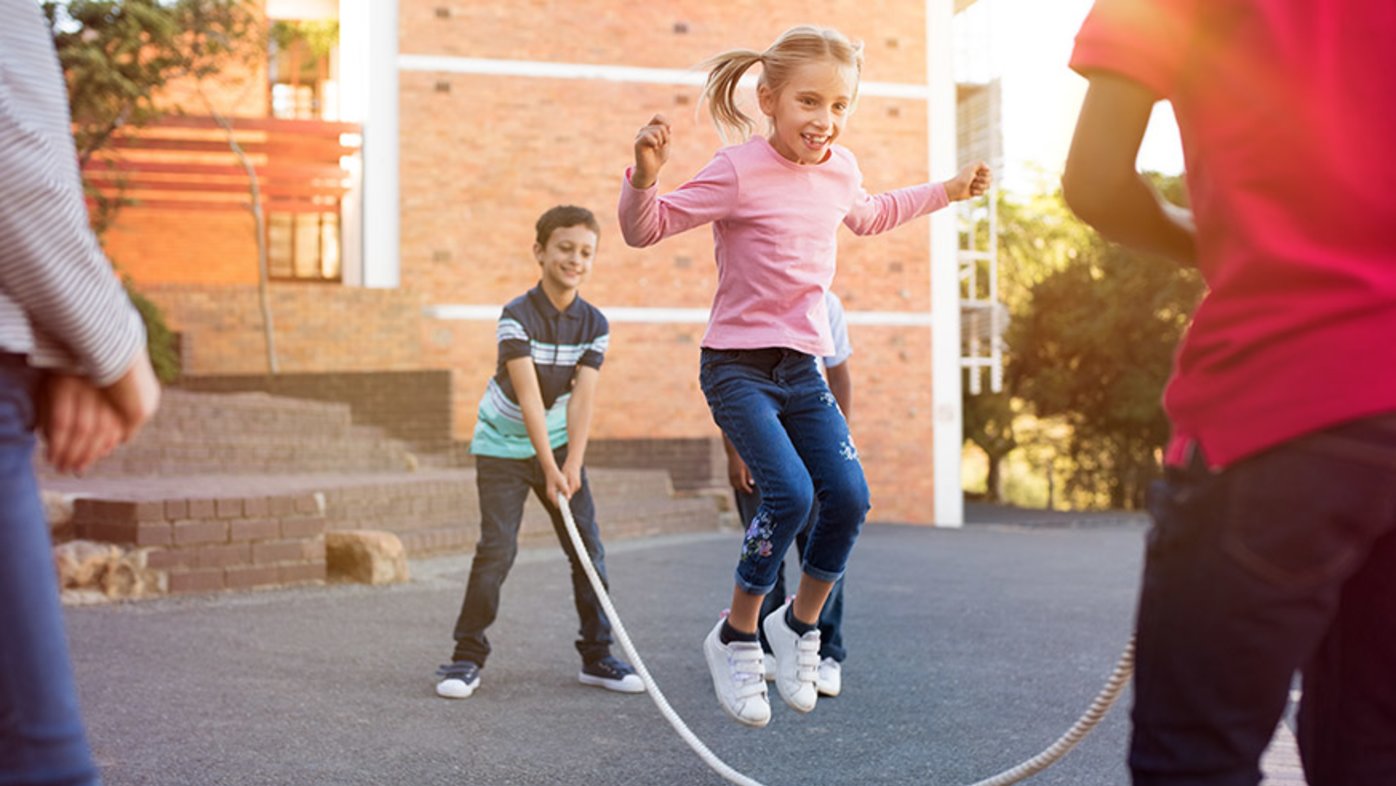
column 720, row 92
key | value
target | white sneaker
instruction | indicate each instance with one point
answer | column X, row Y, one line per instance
column 736, row 669
column 797, row 661
column 457, row 680
column 829, row 680
column 769, row 661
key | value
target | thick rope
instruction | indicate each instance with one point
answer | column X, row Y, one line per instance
column 1124, row 669
column 718, row 765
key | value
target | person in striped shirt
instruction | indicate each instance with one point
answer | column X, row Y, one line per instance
column 531, row 435
column 73, row 363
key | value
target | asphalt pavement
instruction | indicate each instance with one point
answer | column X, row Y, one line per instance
column 969, row 651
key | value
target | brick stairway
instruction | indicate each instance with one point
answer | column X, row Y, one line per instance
column 237, row 490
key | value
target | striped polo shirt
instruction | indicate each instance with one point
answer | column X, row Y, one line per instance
column 60, row 302
column 558, row 342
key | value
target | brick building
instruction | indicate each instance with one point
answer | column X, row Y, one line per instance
column 477, row 116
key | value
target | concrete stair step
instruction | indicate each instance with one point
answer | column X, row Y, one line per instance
column 186, row 411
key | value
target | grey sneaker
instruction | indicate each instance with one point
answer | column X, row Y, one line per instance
column 830, row 677
column 797, row 661
column 736, row 670
column 457, row 680
column 611, row 673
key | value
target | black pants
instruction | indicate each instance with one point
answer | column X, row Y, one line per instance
column 1285, row 561
column 503, row 488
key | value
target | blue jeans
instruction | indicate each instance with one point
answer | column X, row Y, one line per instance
column 503, row 486
column 41, row 734
column 830, row 617
column 777, row 409
column 1284, row 561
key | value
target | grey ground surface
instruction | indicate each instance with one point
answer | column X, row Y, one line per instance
column 970, row 650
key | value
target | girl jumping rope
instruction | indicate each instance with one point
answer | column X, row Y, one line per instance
column 775, row 203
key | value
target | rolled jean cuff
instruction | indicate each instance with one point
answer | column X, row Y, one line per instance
column 753, row 589
column 821, row 575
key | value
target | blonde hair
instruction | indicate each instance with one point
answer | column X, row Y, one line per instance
column 794, row 47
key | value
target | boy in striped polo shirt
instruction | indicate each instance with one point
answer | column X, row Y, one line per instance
column 531, row 435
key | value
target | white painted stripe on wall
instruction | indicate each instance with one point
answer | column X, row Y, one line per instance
column 675, row 316
column 609, row 73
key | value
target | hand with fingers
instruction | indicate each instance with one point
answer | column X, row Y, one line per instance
column 135, row 395
column 572, row 471
column 557, row 483
column 974, row 180
column 651, row 152
column 79, row 423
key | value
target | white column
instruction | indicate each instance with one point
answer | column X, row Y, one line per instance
column 368, row 36
column 945, row 272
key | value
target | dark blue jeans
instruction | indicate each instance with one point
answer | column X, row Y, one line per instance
column 1285, row 561
column 776, row 408
column 503, row 486
column 830, row 617
column 41, row 733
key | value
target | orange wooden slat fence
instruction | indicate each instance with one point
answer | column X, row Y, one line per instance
column 184, row 162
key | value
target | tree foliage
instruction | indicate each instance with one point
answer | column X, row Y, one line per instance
column 1037, row 236
column 117, row 55
column 1093, row 344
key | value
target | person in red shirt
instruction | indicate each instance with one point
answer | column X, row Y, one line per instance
column 1274, row 540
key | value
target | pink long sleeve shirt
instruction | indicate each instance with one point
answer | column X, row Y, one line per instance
column 775, row 237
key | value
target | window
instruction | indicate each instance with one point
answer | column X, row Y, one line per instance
column 299, row 68
column 303, row 246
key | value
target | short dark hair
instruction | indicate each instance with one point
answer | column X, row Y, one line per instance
column 564, row 216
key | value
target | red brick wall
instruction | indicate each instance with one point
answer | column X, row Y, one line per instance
column 642, row 34
column 318, row 327
column 482, row 156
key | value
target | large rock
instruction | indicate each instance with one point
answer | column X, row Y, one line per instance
column 365, row 556
column 81, row 563
column 87, row 569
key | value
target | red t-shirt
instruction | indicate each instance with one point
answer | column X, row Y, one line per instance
column 1287, row 110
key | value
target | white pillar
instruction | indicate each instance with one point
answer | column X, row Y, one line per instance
column 368, row 36
column 945, row 269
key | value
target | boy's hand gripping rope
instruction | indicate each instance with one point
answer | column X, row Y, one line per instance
column 1101, row 705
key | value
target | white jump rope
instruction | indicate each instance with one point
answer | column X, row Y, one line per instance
column 1101, row 705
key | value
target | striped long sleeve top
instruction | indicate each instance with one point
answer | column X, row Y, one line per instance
column 60, row 301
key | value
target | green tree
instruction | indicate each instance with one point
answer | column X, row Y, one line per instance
column 117, row 57
column 1037, row 237
column 1094, row 346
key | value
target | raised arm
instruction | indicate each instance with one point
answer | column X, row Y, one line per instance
column 647, row 218
column 876, row 213
column 1101, row 183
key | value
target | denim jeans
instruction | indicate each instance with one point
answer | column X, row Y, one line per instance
column 776, row 408
column 503, row 486
column 1284, row 561
column 830, row 617
column 41, row 734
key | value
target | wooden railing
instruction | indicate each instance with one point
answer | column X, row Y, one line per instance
column 185, row 163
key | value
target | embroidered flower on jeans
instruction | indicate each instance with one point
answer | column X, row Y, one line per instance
column 848, row 451
column 828, row 399
column 757, row 542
